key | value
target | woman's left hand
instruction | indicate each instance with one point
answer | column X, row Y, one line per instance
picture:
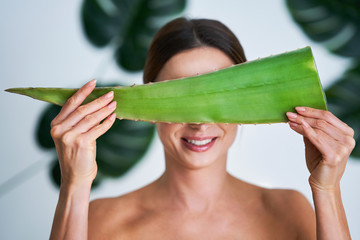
column 328, row 144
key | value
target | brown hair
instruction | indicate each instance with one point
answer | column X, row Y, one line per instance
column 182, row 34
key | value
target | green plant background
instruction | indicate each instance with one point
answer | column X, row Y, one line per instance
column 127, row 26
column 335, row 24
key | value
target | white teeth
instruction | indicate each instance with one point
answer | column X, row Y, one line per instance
column 199, row 143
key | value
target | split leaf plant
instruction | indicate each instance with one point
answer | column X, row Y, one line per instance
column 259, row 91
column 336, row 26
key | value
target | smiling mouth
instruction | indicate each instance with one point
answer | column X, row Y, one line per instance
column 199, row 142
column 199, row 145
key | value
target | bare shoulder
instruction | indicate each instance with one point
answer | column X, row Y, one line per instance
column 285, row 199
column 293, row 207
column 279, row 201
column 108, row 216
column 102, row 209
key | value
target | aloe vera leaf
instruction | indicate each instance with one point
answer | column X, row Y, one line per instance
column 259, row 91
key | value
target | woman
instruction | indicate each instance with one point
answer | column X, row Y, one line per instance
column 196, row 198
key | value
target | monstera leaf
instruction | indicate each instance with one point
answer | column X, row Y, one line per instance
column 122, row 147
column 335, row 23
column 344, row 101
column 118, row 150
column 43, row 137
column 127, row 25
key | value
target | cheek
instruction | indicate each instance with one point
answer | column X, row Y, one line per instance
column 230, row 131
column 162, row 129
column 167, row 132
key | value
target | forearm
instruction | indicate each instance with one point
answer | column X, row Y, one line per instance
column 71, row 215
column 331, row 220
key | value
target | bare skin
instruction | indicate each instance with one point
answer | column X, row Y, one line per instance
column 260, row 214
column 196, row 198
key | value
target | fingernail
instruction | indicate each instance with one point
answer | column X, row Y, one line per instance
column 112, row 105
column 293, row 124
column 109, row 95
column 300, row 109
column 92, row 83
column 112, row 117
column 291, row 115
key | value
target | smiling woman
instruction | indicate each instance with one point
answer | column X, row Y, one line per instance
column 196, row 198
column 186, row 141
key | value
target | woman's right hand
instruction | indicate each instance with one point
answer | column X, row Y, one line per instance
column 75, row 130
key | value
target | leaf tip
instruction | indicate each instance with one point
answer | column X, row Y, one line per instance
column 8, row 90
column 12, row 90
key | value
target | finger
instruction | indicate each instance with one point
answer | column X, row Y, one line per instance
column 74, row 101
column 327, row 116
column 296, row 127
column 320, row 124
column 83, row 111
column 95, row 118
column 102, row 128
column 319, row 139
column 335, row 146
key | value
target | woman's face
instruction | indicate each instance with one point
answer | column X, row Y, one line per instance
column 195, row 145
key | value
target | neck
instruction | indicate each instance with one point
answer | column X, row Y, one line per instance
column 194, row 189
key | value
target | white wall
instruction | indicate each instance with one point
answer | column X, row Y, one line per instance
column 42, row 44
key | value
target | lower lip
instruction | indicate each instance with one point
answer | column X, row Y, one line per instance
column 196, row 148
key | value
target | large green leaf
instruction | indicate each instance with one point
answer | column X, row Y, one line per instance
column 334, row 23
column 259, row 91
column 127, row 25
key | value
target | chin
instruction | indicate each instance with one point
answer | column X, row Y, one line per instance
column 196, row 161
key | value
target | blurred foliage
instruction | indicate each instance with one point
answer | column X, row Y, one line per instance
column 127, row 26
column 336, row 25
column 344, row 101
